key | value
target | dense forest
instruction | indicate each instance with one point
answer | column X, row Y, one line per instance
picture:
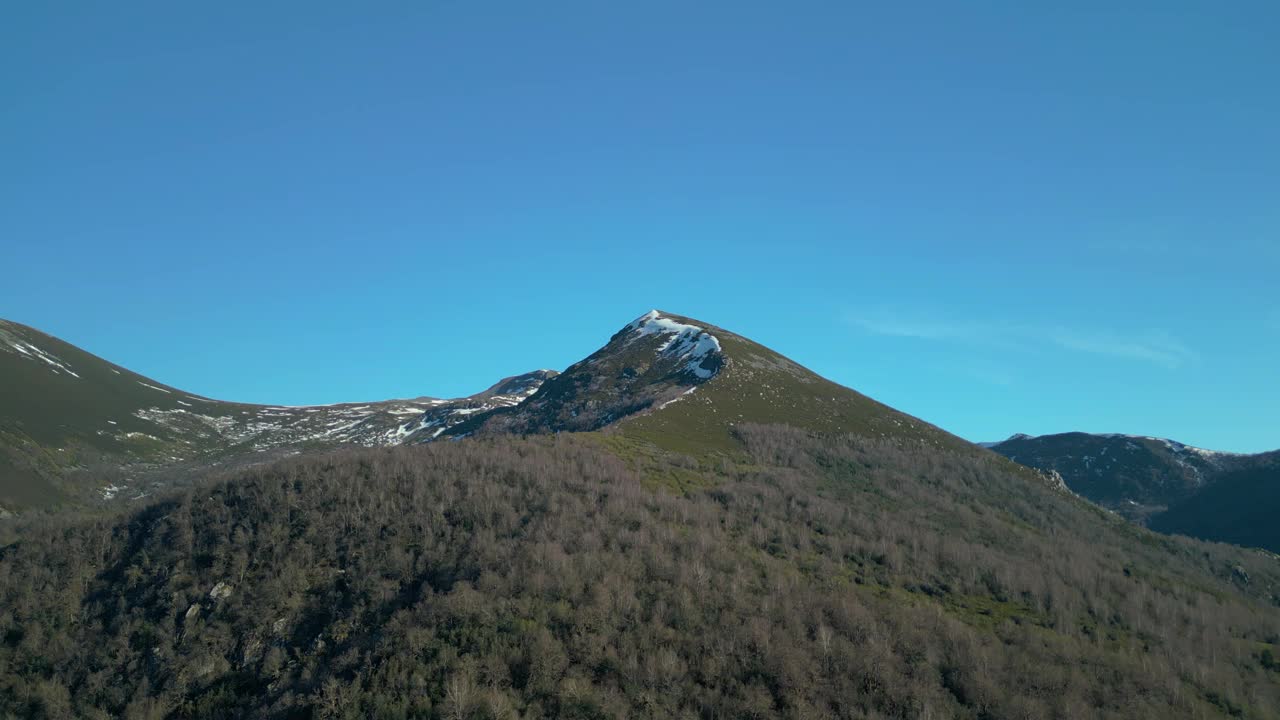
column 549, row 577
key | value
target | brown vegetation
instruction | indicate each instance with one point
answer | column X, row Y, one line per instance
column 828, row 577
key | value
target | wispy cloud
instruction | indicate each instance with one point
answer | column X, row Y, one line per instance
column 889, row 324
column 1154, row 346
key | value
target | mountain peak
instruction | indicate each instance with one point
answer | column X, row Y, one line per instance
column 691, row 344
column 650, row 362
column 992, row 444
column 685, row 385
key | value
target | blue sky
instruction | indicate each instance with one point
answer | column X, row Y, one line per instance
column 998, row 217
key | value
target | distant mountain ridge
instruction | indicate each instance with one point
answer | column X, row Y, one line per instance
column 64, row 411
column 74, row 426
column 1240, row 506
column 1169, row 485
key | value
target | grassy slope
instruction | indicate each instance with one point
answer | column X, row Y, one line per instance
column 52, row 421
column 759, row 385
column 64, row 436
column 56, row 407
column 696, row 442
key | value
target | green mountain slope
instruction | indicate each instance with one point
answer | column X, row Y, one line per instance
column 75, row 428
column 61, row 408
column 666, row 383
column 650, row 382
column 758, row 385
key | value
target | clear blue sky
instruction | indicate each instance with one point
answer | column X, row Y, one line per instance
column 999, row 217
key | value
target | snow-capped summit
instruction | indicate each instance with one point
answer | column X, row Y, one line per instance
column 648, row 364
column 686, row 342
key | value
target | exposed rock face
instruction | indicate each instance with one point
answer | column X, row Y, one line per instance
column 220, row 591
column 655, row 359
column 1054, row 478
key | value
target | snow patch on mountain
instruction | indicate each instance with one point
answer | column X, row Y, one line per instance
column 12, row 343
column 688, row 343
column 443, row 418
column 678, row 398
column 1181, row 448
column 392, row 422
column 406, row 410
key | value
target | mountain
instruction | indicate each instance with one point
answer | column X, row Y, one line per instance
column 684, row 385
column 683, row 524
column 1240, row 505
column 77, row 429
column 667, row 384
column 651, row 362
column 74, row 426
column 1171, row 486
column 1130, row 474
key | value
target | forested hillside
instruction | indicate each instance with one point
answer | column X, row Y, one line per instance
column 813, row 576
